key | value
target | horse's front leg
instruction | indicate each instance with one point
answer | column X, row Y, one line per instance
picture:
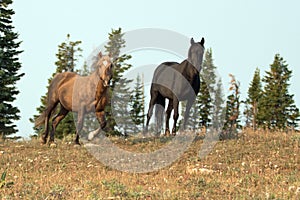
column 176, row 114
column 101, row 119
column 80, row 120
column 100, row 111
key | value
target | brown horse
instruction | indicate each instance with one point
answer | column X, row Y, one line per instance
column 80, row 94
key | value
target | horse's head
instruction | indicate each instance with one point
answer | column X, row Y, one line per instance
column 196, row 52
column 105, row 67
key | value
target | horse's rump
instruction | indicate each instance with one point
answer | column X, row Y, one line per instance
column 172, row 78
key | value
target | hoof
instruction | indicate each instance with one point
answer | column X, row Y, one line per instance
column 167, row 133
column 92, row 134
column 53, row 145
column 173, row 132
column 103, row 125
column 43, row 140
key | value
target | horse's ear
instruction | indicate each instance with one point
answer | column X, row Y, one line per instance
column 202, row 41
column 100, row 54
column 192, row 41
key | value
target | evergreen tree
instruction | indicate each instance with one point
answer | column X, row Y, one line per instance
column 231, row 125
column 204, row 104
column 254, row 95
column 119, row 84
column 248, row 114
column 194, row 116
column 209, row 70
column 9, row 70
column 121, row 107
column 67, row 58
column 293, row 117
column 218, row 110
column 138, row 105
column 207, row 96
column 278, row 110
column 68, row 55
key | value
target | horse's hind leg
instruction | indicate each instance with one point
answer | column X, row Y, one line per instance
column 150, row 110
column 48, row 112
column 168, row 114
column 62, row 113
column 45, row 134
column 176, row 114
column 159, row 113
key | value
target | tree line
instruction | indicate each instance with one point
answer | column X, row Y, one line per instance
column 9, row 70
column 269, row 104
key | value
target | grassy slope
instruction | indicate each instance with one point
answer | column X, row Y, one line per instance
column 256, row 166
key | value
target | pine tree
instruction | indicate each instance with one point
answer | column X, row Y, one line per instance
column 209, row 70
column 67, row 58
column 204, row 103
column 194, row 116
column 254, row 96
column 232, row 112
column 293, row 117
column 278, row 110
column 122, row 107
column 248, row 114
column 207, row 95
column 68, row 55
column 138, row 105
column 218, row 110
column 119, row 85
column 9, row 70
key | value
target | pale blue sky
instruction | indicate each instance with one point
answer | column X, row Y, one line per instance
column 242, row 34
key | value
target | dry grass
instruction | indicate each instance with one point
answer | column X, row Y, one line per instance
column 256, row 166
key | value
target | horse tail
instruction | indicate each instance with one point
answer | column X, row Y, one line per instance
column 40, row 120
column 49, row 111
column 159, row 112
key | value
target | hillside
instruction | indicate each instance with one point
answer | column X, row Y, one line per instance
column 256, row 166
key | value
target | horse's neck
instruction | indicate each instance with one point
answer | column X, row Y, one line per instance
column 94, row 77
column 187, row 67
column 196, row 66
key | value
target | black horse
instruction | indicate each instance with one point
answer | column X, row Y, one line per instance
column 176, row 82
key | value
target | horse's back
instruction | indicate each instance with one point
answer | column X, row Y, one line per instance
column 62, row 77
column 58, row 82
column 162, row 67
column 176, row 78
